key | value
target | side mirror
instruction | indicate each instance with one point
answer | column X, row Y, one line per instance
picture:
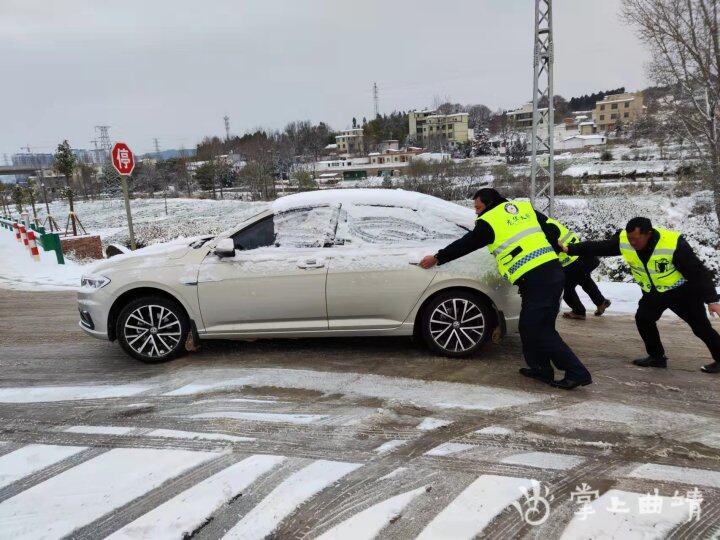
column 225, row 248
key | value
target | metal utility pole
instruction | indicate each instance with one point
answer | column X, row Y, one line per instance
column 376, row 100
column 105, row 143
column 226, row 118
column 542, row 175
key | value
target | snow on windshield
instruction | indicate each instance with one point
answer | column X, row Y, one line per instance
column 390, row 225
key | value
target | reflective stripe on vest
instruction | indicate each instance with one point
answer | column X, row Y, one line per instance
column 567, row 237
column 659, row 272
column 520, row 244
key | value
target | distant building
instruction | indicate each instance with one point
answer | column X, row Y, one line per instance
column 33, row 160
column 351, row 142
column 522, row 117
column 430, row 126
column 390, row 162
column 582, row 141
column 618, row 109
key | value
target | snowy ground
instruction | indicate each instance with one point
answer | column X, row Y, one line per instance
column 349, row 439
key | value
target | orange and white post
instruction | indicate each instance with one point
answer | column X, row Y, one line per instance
column 32, row 244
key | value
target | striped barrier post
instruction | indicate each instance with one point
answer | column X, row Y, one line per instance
column 33, row 246
column 16, row 227
column 23, row 234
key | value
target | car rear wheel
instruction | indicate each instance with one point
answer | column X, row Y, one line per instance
column 153, row 329
column 457, row 324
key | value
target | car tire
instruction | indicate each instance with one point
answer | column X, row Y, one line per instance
column 457, row 324
column 153, row 329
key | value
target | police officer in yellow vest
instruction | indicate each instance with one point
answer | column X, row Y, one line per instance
column 514, row 233
column 578, row 272
column 671, row 277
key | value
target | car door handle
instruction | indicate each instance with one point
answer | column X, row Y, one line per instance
column 311, row 263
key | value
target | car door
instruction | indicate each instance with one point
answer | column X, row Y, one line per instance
column 275, row 283
column 374, row 281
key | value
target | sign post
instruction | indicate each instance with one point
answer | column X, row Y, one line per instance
column 124, row 163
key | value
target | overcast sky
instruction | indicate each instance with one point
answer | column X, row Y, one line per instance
column 173, row 68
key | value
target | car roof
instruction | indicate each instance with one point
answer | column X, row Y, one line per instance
column 377, row 197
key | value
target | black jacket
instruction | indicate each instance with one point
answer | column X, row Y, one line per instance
column 483, row 235
column 693, row 270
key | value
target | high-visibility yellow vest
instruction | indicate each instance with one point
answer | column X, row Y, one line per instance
column 566, row 238
column 520, row 244
column 659, row 271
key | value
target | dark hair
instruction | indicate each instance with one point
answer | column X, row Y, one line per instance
column 642, row 223
column 488, row 196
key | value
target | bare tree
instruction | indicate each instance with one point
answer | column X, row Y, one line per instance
column 685, row 44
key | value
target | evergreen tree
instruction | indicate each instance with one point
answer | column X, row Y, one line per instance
column 65, row 165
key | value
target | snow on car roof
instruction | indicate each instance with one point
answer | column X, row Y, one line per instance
column 378, row 197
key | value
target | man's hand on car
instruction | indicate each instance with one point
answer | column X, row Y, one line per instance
column 428, row 262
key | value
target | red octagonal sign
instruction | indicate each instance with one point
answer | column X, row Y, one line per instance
column 122, row 158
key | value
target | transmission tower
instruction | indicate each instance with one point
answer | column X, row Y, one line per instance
column 542, row 176
column 105, row 144
column 226, row 118
column 376, row 100
column 157, row 149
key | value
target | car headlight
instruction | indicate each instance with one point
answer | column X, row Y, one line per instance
column 94, row 282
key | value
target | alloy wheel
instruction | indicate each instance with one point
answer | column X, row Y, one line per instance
column 457, row 325
column 152, row 330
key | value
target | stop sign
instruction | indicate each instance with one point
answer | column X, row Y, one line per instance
column 122, row 158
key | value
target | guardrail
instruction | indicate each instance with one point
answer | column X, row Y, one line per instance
column 48, row 241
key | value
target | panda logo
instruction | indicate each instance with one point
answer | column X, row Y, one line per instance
column 511, row 209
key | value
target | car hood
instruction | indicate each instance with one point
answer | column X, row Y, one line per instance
column 154, row 255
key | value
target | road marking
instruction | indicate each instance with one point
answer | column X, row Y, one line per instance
column 446, row 395
column 544, row 460
column 390, row 445
column 100, row 430
column 471, row 511
column 367, row 524
column 293, row 491
column 289, row 418
column 428, row 424
column 82, row 494
column 177, row 434
column 448, row 448
column 39, row 394
column 495, row 430
column 32, row 458
column 601, row 523
column 671, row 473
column 185, row 512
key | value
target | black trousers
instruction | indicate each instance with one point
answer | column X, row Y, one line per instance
column 543, row 347
column 687, row 305
column 579, row 274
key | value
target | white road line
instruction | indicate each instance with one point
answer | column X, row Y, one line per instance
column 390, row 445
column 293, row 491
column 670, row 473
column 289, row 418
column 631, row 525
column 78, row 496
column 177, row 434
column 100, row 430
column 367, row 524
column 544, row 460
column 32, row 458
column 448, row 448
column 38, row 394
column 475, row 507
column 187, row 511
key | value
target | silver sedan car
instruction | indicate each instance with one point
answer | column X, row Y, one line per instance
column 316, row 264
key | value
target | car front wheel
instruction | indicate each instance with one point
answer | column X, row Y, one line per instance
column 153, row 329
column 457, row 324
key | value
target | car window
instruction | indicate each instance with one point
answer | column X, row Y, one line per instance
column 391, row 225
column 306, row 227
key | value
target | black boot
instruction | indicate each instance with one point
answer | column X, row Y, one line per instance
column 651, row 361
column 547, row 378
column 602, row 307
column 569, row 384
column 711, row 368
